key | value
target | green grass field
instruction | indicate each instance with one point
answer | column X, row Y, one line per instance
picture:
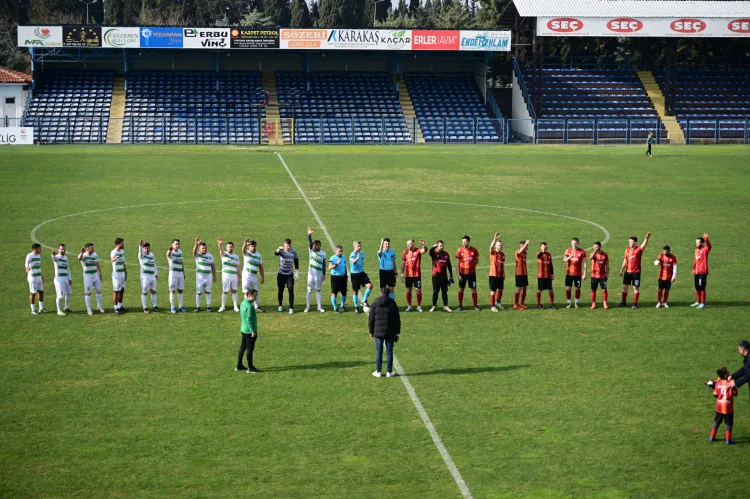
column 563, row 403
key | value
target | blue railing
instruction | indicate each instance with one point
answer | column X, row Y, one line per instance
column 524, row 90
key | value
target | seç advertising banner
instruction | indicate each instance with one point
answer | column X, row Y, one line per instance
column 16, row 136
column 248, row 38
column 657, row 27
column 124, row 38
column 40, row 36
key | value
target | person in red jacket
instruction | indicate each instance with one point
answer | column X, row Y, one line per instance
column 700, row 270
column 724, row 393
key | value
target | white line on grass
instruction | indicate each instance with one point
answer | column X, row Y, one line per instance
column 399, row 369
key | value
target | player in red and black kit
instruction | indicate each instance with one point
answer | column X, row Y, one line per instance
column 441, row 269
column 467, row 258
column 667, row 263
column 599, row 273
column 574, row 259
column 411, row 271
column 497, row 273
column 545, row 275
column 631, row 269
column 522, row 276
column 724, row 393
column 700, row 270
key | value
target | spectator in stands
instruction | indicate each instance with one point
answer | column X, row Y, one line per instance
column 385, row 326
column 266, row 96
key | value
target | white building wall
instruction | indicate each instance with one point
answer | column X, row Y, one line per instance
column 12, row 102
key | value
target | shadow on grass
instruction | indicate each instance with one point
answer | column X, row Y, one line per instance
column 470, row 370
column 344, row 364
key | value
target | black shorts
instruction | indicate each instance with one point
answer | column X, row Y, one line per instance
column 497, row 283
column 727, row 419
column 387, row 278
column 665, row 284
column 470, row 278
column 700, row 282
column 359, row 280
column 339, row 284
column 598, row 281
column 573, row 280
column 633, row 278
column 543, row 283
column 285, row 281
column 413, row 282
column 522, row 281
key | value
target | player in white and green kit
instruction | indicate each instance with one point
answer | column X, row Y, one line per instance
column 35, row 278
column 205, row 274
column 63, row 279
column 316, row 271
column 252, row 268
column 176, row 275
column 92, row 276
column 149, row 275
column 230, row 272
column 119, row 275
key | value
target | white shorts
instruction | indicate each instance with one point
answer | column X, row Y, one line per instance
column 90, row 284
column 148, row 283
column 118, row 281
column 314, row 282
column 35, row 284
column 176, row 282
column 249, row 281
column 229, row 283
column 62, row 287
column 203, row 286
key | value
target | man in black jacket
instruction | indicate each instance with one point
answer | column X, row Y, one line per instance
column 742, row 376
column 385, row 327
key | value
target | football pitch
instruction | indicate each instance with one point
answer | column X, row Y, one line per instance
column 534, row 403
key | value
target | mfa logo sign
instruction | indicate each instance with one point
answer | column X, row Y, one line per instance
column 14, row 136
column 121, row 37
column 206, row 38
column 485, row 41
column 161, row 38
column 40, row 36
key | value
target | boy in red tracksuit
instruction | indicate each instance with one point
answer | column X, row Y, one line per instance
column 724, row 394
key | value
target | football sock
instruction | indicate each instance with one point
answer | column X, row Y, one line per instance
column 197, row 301
column 343, row 300
column 515, row 298
column 41, row 305
column 578, row 294
column 367, row 294
column 58, row 302
column 498, row 296
column 538, row 297
column 523, row 297
column 99, row 300
column 67, row 301
column 474, row 298
column 729, row 435
column 408, row 298
column 333, row 302
column 713, row 432
column 234, row 298
column 624, row 296
column 666, row 296
column 703, row 297
column 119, row 304
column 492, row 299
column 659, row 296
column 223, row 299
column 208, row 299
column 392, row 295
column 153, row 300
column 355, row 299
column 593, row 297
column 636, row 295
column 551, row 297
column 180, row 298
column 86, row 298
column 319, row 298
column 604, row 294
column 143, row 301
column 171, row 300
column 697, row 297
column 567, row 295
column 419, row 299
column 307, row 298
column 460, row 298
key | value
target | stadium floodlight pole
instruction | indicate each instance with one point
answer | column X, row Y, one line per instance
column 375, row 12
column 88, row 19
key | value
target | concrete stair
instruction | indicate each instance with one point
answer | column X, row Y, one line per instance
column 268, row 81
column 674, row 130
column 116, row 112
column 409, row 114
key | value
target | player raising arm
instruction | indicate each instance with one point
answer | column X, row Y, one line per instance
column 411, row 271
column 497, row 273
column 288, row 273
column 92, row 276
column 119, row 275
column 253, row 267
column 149, row 275
column 631, row 269
column 522, row 276
column 700, row 270
column 205, row 273
column 176, row 275
column 316, row 271
column 35, row 278
column 545, row 275
column 599, row 273
column 230, row 271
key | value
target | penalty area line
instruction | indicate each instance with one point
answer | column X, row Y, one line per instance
column 399, row 369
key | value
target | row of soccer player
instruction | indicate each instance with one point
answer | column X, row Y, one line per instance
column 253, row 275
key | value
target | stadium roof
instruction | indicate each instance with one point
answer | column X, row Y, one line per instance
column 630, row 8
column 10, row 76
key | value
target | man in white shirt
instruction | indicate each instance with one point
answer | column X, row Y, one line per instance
column 205, row 274
column 35, row 278
column 149, row 275
column 119, row 275
column 63, row 279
